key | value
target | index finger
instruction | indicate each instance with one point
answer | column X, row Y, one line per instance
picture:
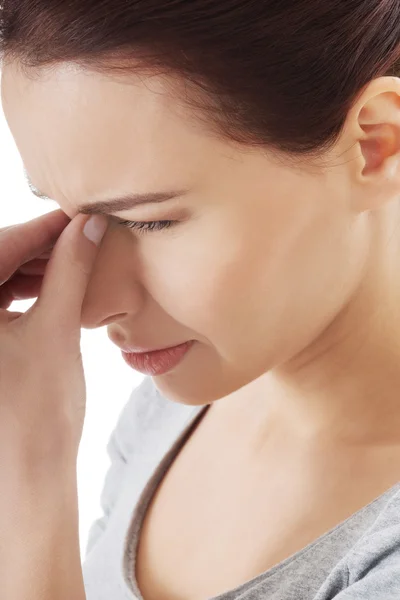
column 23, row 242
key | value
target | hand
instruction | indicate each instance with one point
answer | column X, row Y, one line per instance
column 42, row 385
column 24, row 254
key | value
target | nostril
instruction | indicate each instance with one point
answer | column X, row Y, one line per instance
column 112, row 319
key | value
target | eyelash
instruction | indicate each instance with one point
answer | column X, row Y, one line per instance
column 144, row 227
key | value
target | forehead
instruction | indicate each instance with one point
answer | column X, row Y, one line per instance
column 71, row 124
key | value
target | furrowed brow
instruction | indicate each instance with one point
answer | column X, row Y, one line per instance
column 119, row 204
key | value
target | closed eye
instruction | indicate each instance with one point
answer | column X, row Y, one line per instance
column 144, row 227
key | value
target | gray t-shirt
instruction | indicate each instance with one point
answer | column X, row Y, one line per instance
column 359, row 559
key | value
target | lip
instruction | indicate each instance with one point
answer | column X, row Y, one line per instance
column 157, row 362
column 140, row 350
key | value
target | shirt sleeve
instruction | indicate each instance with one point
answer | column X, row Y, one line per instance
column 380, row 584
column 110, row 489
column 374, row 566
column 120, row 446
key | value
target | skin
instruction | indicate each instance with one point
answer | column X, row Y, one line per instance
column 287, row 277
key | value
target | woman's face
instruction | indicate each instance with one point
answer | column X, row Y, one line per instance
column 256, row 264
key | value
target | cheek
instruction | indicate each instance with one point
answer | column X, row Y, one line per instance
column 210, row 286
column 192, row 286
column 243, row 280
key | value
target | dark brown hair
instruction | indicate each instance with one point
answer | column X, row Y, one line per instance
column 275, row 73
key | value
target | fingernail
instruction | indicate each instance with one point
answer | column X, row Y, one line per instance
column 95, row 228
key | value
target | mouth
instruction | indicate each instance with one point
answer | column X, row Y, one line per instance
column 157, row 362
column 128, row 349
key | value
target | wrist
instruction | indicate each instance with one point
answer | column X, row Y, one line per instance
column 39, row 533
column 44, row 459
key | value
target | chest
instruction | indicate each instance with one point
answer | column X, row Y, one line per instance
column 219, row 519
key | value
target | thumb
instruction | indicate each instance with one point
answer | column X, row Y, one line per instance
column 67, row 275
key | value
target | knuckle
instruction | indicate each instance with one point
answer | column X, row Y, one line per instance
column 79, row 264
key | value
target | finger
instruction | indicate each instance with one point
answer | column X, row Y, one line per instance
column 6, row 298
column 37, row 266
column 23, row 242
column 20, row 287
column 7, row 316
column 63, row 290
column 46, row 254
column 7, row 227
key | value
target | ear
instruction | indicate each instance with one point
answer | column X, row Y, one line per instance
column 374, row 124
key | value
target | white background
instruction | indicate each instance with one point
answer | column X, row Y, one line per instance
column 109, row 379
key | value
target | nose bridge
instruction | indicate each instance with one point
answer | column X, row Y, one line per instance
column 114, row 290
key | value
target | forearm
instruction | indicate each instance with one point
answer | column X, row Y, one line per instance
column 39, row 537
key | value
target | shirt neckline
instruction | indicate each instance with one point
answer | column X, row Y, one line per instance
column 131, row 539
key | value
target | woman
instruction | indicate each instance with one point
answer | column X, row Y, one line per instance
column 246, row 155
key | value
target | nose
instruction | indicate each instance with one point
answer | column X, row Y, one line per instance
column 111, row 319
column 114, row 291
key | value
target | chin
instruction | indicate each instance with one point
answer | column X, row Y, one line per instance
column 197, row 389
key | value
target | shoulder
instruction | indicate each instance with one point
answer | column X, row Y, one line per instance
column 146, row 415
column 378, row 550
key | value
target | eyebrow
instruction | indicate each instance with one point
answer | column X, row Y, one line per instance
column 114, row 205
